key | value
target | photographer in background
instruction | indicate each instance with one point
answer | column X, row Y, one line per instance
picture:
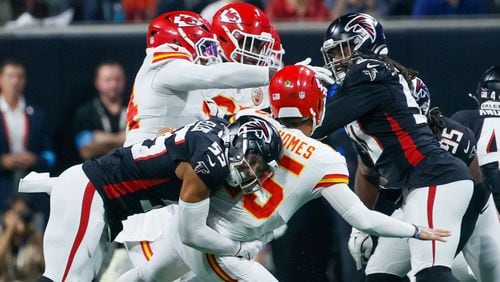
column 21, row 257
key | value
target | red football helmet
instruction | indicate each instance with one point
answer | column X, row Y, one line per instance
column 278, row 51
column 295, row 92
column 186, row 29
column 245, row 34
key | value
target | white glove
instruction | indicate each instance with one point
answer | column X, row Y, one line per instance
column 360, row 246
column 214, row 109
column 323, row 74
column 248, row 250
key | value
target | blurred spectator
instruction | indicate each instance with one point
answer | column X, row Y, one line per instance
column 100, row 123
column 190, row 5
column 493, row 6
column 103, row 10
column 292, row 10
column 21, row 252
column 38, row 8
column 139, row 10
column 447, row 7
column 5, row 11
column 375, row 8
column 24, row 140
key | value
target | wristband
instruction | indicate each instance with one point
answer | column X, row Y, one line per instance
column 417, row 232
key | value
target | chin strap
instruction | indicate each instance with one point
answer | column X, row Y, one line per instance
column 475, row 98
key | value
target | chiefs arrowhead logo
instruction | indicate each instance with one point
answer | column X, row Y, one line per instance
column 187, row 20
column 231, row 16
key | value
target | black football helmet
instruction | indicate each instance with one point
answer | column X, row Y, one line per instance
column 422, row 95
column 254, row 148
column 488, row 88
column 349, row 36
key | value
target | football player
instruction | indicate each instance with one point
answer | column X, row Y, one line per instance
column 375, row 105
column 459, row 141
column 246, row 37
column 307, row 169
column 485, row 122
column 185, row 165
column 141, row 232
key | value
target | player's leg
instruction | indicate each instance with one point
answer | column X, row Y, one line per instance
column 442, row 206
column 141, row 231
column 482, row 250
column 161, row 260
column 391, row 259
column 461, row 270
column 74, row 239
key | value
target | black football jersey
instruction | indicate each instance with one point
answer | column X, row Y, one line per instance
column 141, row 177
column 379, row 113
column 458, row 140
column 485, row 123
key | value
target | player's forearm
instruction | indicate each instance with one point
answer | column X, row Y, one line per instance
column 185, row 76
column 194, row 232
column 364, row 187
column 348, row 205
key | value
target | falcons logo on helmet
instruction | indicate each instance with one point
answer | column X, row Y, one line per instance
column 231, row 16
column 259, row 128
column 361, row 24
column 186, row 20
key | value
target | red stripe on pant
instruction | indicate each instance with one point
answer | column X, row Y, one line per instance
column 88, row 195
column 431, row 197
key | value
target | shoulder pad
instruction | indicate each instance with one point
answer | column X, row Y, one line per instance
column 367, row 70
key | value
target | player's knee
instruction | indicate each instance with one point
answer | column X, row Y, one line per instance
column 44, row 279
column 384, row 277
column 435, row 273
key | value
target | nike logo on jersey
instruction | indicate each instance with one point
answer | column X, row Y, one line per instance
column 212, row 163
column 468, row 147
column 371, row 66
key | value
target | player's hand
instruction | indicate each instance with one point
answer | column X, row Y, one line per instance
column 361, row 247
column 425, row 233
column 248, row 250
column 323, row 74
column 214, row 109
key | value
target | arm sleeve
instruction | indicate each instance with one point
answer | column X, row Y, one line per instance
column 183, row 75
column 348, row 205
column 194, row 232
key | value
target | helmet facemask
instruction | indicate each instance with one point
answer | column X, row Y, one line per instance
column 250, row 171
column 339, row 56
column 251, row 49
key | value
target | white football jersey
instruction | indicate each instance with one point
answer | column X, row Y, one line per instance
column 234, row 100
column 306, row 167
column 160, row 93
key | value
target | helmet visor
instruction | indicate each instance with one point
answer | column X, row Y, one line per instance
column 208, row 51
